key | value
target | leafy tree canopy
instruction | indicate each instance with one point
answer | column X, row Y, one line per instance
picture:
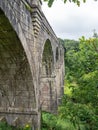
column 80, row 106
column 50, row 2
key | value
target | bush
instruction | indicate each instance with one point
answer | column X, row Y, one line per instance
column 54, row 122
column 5, row 126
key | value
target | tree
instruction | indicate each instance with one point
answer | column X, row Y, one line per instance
column 81, row 105
column 50, row 2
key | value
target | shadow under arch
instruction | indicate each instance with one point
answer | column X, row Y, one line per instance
column 47, row 59
column 57, row 54
column 16, row 81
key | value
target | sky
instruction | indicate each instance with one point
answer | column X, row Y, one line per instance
column 70, row 21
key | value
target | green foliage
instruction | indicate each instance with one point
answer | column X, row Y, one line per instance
column 50, row 2
column 54, row 122
column 48, row 121
column 27, row 127
column 70, row 44
column 80, row 105
column 5, row 126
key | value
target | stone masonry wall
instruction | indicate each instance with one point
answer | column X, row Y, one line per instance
column 30, row 81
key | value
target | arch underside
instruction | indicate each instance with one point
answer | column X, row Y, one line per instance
column 16, row 83
column 47, row 59
column 57, row 54
column 48, row 92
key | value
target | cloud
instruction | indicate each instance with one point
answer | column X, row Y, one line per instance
column 70, row 21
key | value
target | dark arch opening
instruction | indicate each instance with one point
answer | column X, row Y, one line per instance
column 47, row 82
column 57, row 54
column 47, row 59
column 16, row 84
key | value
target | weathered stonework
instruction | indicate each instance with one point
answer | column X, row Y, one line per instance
column 31, row 63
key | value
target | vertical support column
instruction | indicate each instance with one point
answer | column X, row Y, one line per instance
column 48, row 95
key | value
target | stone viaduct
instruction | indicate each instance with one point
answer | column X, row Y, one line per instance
column 31, row 63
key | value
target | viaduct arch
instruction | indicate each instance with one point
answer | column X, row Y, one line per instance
column 31, row 63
